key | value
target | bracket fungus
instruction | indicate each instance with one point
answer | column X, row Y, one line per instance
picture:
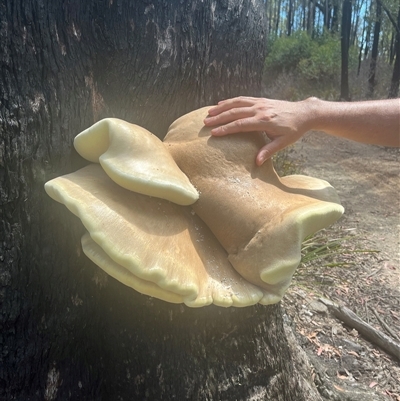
column 238, row 243
column 259, row 218
column 152, row 245
column 127, row 153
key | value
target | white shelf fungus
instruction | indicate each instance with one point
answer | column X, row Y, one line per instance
column 167, row 252
column 136, row 160
column 246, row 247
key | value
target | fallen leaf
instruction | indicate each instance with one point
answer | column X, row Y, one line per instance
column 353, row 353
column 338, row 388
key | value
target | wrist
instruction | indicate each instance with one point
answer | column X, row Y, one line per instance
column 311, row 113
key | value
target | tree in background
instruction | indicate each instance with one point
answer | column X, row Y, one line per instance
column 360, row 35
column 374, row 52
column 394, row 53
column 345, row 44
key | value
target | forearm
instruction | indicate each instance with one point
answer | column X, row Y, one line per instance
column 373, row 122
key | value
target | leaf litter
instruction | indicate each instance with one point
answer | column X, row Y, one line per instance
column 355, row 263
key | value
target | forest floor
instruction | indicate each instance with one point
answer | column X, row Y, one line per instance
column 363, row 274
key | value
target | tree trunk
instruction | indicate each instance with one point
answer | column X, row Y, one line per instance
column 289, row 22
column 374, row 52
column 327, row 15
column 335, row 18
column 345, row 43
column 394, row 85
column 311, row 18
column 368, row 31
column 360, row 52
column 67, row 330
column 304, row 15
column 278, row 17
column 392, row 50
column 269, row 16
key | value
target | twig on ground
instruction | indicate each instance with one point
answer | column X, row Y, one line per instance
column 375, row 336
column 385, row 325
column 375, row 272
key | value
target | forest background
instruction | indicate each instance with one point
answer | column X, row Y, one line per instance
column 333, row 49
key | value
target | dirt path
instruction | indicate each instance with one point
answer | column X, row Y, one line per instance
column 367, row 179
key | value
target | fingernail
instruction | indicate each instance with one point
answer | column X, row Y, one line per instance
column 260, row 160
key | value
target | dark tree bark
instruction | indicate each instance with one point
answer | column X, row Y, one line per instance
column 374, row 51
column 360, row 52
column 325, row 9
column 345, row 43
column 311, row 18
column 327, row 15
column 304, row 15
column 335, row 18
column 394, row 85
column 278, row 17
column 356, row 18
column 67, row 330
column 289, row 23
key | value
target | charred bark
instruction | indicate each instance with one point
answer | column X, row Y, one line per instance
column 67, row 330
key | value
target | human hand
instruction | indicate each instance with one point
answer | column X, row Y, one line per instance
column 283, row 122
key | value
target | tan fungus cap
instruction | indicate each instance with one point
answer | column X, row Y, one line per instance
column 260, row 219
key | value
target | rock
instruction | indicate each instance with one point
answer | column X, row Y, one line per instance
column 317, row 306
column 352, row 346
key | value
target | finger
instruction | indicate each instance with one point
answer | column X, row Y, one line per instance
column 267, row 151
column 229, row 116
column 238, row 99
column 228, row 104
column 238, row 126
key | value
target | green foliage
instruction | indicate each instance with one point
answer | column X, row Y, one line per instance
column 315, row 64
column 287, row 52
column 323, row 63
column 313, row 59
column 328, row 252
column 307, row 63
column 282, row 163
